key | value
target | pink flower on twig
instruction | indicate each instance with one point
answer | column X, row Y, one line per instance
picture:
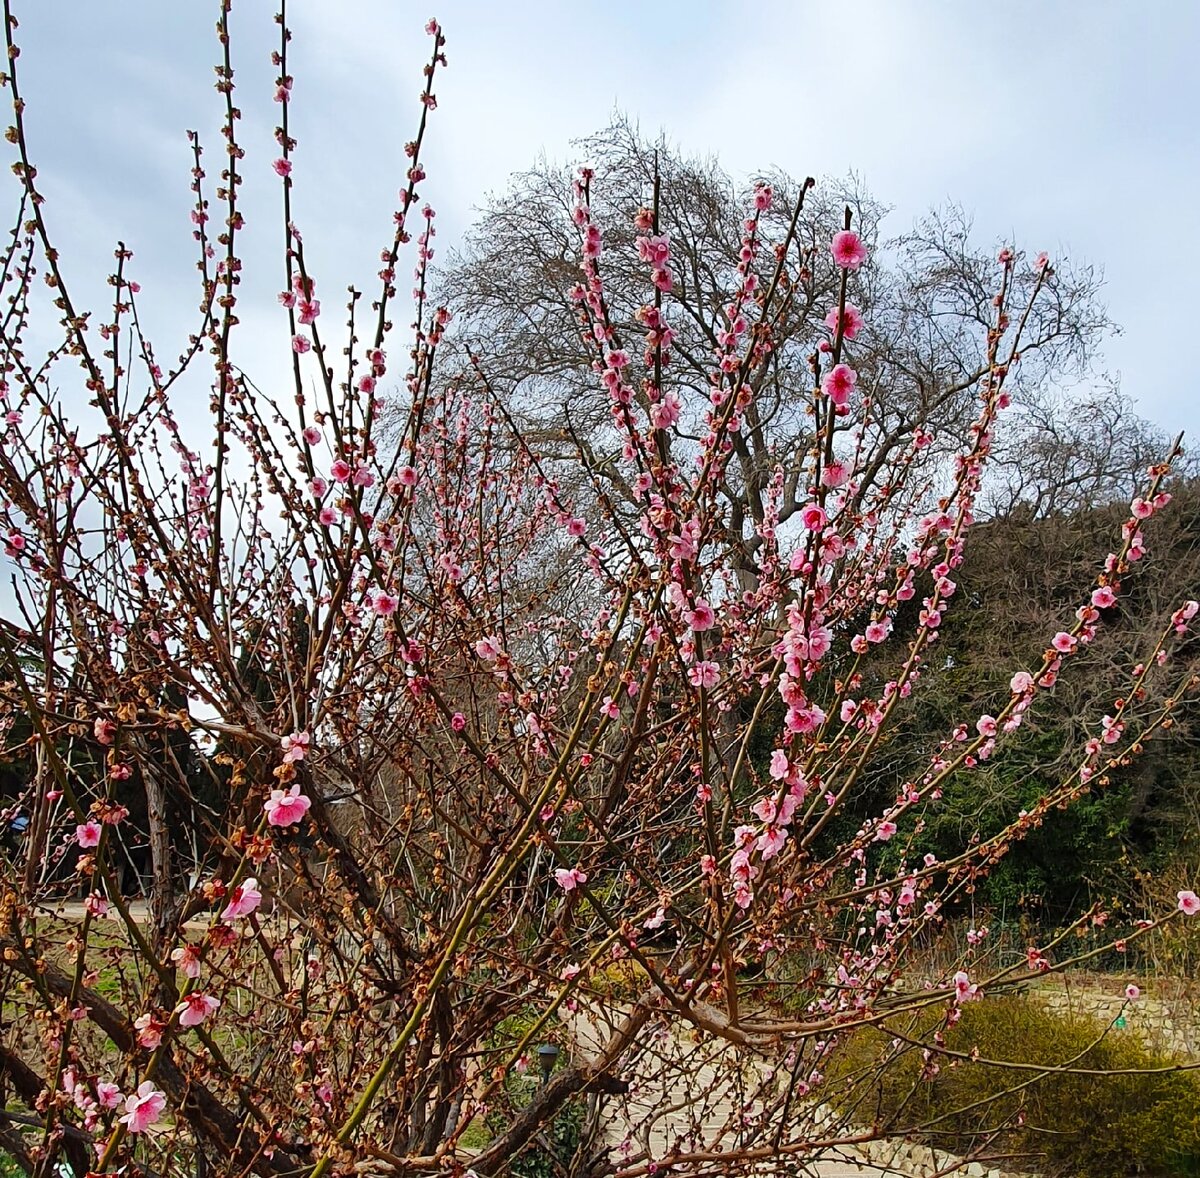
column 851, row 321
column 87, row 834
column 143, row 1108
column 964, row 989
column 286, row 808
column 195, row 1008
column 569, row 878
column 243, row 900
column 839, row 383
column 295, row 746
column 848, row 250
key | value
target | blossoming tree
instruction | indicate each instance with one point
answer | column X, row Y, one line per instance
column 470, row 770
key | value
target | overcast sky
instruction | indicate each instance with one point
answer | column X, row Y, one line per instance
column 1068, row 127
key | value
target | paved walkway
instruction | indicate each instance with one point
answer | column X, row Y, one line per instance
column 700, row 1097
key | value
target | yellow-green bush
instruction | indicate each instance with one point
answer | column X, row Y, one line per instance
column 1064, row 1123
column 623, row 979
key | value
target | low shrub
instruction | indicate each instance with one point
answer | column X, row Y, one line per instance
column 1062, row 1123
column 620, row 980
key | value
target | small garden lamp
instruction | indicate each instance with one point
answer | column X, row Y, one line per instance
column 547, row 1054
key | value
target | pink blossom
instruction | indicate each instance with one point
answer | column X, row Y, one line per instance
column 195, row 1008
column 295, row 746
column 244, row 899
column 701, row 616
column 1063, row 642
column 1103, row 597
column 964, row 989
column 569, row 878
column 704, row 674
column 143, row 1108
column 986, row 725
column 666, row 412
column 765, row 809
column 655, row 250
column 1021, row 682
column 488, row 648
column 187, row 958
column 1132, row 992
column 312, row 435
column 150, row 1031
column 87, row 834
column 885, row 830
column 834, row 474
column 104, row 730
column 771, row 841
column 1182, row 616
column 96, row 904
column 341, row 471
column 851, row 321
column 385, row 604
column 458, row 721
column 838, row 383
column 301, row 344
column 1189, row 903
column 813, row 517
column 576, row 527
column 877, row 631
column 848, row 250
column 285, row 808
column 108, row 1095
column 283, row 167
column 308, row 310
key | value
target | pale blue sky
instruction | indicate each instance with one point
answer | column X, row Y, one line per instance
column 1069, row 126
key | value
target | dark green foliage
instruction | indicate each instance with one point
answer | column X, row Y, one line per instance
column 1021, row 582
column 552, row 1149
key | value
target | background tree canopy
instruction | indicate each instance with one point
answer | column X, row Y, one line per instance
column 927, row 302
column 1068, row 455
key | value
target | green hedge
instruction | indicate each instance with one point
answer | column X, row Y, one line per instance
column 1066, row 1124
